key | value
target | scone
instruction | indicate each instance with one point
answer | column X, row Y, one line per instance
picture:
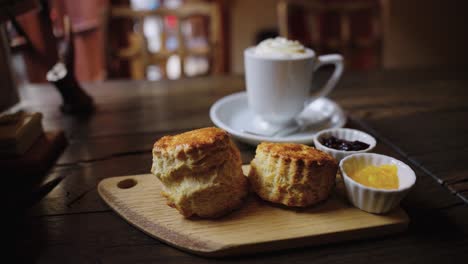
column 201, row 172
column 292, row 174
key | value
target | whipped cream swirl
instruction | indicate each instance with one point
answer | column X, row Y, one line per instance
column 279, row 47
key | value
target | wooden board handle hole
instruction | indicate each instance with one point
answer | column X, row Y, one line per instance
column 126, row 184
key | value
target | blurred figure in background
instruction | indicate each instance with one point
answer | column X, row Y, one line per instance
column 86, row 23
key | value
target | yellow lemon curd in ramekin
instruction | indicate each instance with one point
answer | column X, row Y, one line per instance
column 380, row 177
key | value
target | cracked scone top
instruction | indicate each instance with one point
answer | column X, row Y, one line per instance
column 200, row 171
column 292, row 174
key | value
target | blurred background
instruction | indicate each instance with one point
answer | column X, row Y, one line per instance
column 171, row 39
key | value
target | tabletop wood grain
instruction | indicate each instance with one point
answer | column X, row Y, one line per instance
column 419, row 117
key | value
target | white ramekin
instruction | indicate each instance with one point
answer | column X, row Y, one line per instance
column 346, row 134
column 370, row 199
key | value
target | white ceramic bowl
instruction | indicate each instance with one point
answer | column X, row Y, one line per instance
column 370, row 199
column 346, row 134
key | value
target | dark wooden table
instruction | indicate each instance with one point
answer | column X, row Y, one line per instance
column 420, row 117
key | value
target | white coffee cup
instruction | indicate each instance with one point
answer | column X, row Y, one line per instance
column 279, row 87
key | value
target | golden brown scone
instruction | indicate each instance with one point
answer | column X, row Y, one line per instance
column 201, row 172
column 292, row 174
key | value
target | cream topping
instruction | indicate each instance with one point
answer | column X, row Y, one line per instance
column 279, row 47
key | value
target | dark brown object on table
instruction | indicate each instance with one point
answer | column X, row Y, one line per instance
column 18, row 132
column 404, row 109
column 23, row 173
column 38, row 158
column 62, row 75
column 36, row 28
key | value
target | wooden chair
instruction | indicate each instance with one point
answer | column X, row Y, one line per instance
column 327, row 26
column 140, row 57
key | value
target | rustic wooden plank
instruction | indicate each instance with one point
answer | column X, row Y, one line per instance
column 100, row 148
column 341, row 253
column 79, row 232
column 77, row 191
column 132, row 107
column 104, row 237
column 424, row 133
column 119, row 103
column 112, row 120
column 457, row 216
column 72, row 224
column 448, row 164
column 426, row 193
column 463, row 195
column 459, row 186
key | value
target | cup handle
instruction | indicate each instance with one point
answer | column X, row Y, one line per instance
column 335, row 59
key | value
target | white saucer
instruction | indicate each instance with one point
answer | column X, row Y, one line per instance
column 232, row 114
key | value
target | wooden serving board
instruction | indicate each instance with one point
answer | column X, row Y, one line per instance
column 257, row 226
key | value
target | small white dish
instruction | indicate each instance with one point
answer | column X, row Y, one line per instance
column 370, row 199
column 232, row 114
column 345, row 134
